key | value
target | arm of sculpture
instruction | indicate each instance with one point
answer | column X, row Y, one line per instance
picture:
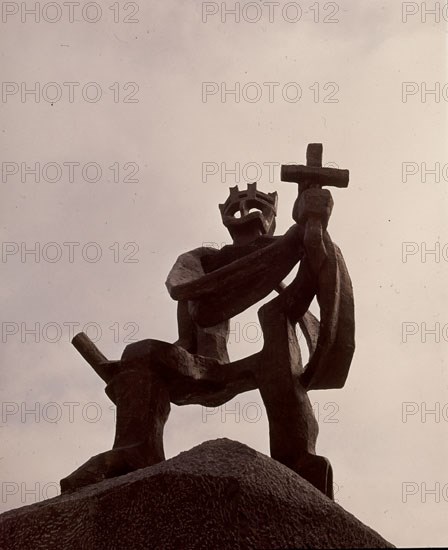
column 263, row 268
column 311, row 212
column 322, row 273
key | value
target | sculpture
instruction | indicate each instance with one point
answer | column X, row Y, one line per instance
column 211, row 286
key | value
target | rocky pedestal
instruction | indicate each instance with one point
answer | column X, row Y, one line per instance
column 219, row 495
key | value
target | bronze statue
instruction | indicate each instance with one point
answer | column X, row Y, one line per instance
column 211, row 286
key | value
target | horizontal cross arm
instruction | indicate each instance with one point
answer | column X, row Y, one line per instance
column 299, row 173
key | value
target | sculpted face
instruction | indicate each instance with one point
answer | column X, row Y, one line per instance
column 249, row 214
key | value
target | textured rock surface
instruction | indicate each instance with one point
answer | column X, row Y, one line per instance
column 219, row 495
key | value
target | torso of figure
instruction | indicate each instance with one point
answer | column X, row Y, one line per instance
column 212, row 341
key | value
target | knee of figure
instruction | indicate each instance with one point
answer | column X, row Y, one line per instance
column 142, row 352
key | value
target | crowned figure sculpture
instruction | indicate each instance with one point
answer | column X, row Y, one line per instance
column 211, row 286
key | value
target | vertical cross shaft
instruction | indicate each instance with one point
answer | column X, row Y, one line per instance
column 314, row 154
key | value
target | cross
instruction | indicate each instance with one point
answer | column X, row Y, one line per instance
column 313, row 174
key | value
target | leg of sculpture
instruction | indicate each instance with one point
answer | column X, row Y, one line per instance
column 149, row 375
column 143, row 407
column 293, row 428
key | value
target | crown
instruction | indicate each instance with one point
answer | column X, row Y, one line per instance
column 252, row 195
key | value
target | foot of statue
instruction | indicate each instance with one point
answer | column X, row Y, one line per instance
column 318, row 471
column 113, row 463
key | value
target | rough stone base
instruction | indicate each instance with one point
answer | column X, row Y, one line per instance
column 219, row 495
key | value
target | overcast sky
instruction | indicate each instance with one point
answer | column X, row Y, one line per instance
column 163, row 140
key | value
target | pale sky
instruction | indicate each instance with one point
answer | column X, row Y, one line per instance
column 385, row 461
